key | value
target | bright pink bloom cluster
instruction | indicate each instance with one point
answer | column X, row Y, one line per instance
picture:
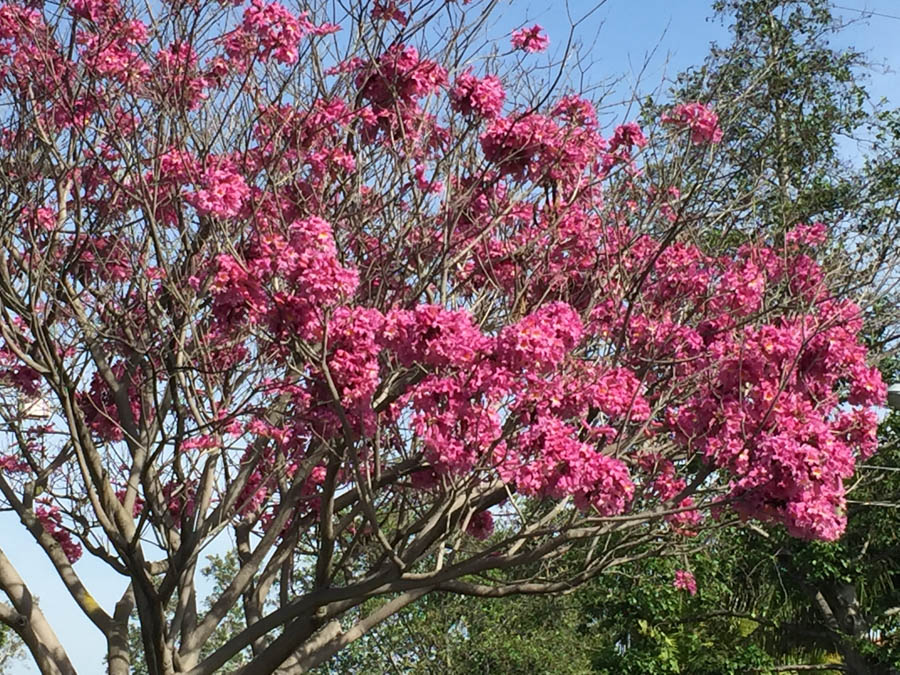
column 684, row 581
column 535, row 146
column 481, row 525
column 702, row 122
column 223, row 193
column 531, row 39
column 178, row 76
column 626, row 136
column 270, row 31
column 806, row 235
column 114, row 53
column 389, row 10
column 552, row 462
column 99, row 406
column 13, row 464
column 394, row 86
column 433, row 336
column 97, row 11
column 303, row 261
column 540, row 341
column 482, row 96
column 400, row 76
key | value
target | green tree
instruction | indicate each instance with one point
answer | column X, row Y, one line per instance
column 12, row 649
column 803, row 141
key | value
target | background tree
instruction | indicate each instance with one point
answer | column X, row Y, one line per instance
column 12, row 649
column 336, row 287
column 804, row 142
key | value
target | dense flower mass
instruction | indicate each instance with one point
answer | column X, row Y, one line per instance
column 471, row 95
column 223, row 193
column 384, row 317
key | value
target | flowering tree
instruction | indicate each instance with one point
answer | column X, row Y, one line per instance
column 336, row 287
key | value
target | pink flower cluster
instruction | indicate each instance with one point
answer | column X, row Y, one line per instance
column 223, row 193
column 401, row 77
column 51, row 521
column 113, row 53
column 354, row 336
column 626, row 136
column 539, row 147
column 481, row 525
column 98, row 11
column 269, row 31
column 685, row 581
column 472, row 95
column 456, row 431
column 388, row 10
column 17, row 22
column 540, row 341
column 806, row 235
column 99, row 406
column 702, row 122
column 531, row 39
column 303, row 261
column 432, row 336
column 177, row 74
column 394, row 85
column 550, row 461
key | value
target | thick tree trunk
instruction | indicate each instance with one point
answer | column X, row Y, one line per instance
column 31, row 625
column 839, row 606
column 118, row 652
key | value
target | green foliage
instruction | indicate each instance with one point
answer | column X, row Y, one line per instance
column 459, row 635
column 12, row 649
column 786, row 99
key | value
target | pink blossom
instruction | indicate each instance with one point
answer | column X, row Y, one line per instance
column 177, row 73
column 399, row 76
column 541, row 340
column 17, row 21
column 13, row 464
column 201, row 442
column 537, row 147
column 684, row 581
column 702, row 122
column 223, row 193
column 269, row 31
column 471, row 95
column 808, row 235
column 552, row 462
column 433, row 336
column 389, row 10
column 51, row 521
column 530, row 39
column 627, row 135
column 481, row 525
column 138, row 502
column 98, row 11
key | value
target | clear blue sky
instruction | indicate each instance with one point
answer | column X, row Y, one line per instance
column 623, row 35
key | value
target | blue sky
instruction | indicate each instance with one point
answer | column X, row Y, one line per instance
column 620, row 38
